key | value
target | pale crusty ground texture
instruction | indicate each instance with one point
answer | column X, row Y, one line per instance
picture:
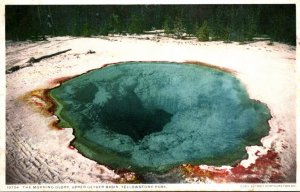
column 35, row 153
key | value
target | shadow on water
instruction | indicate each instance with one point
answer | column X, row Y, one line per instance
column 126, row 115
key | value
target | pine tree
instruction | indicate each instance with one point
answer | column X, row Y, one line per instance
column 203, row 32
column 136, row 25
column 86, row 31
column 115, row 24
column 179, row 29
column 168, row 26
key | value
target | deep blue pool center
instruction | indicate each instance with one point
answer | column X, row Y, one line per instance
column 152, row 116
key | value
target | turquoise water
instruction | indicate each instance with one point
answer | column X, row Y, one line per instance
column 154, row 116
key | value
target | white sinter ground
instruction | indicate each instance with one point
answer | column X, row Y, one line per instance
column 35, row 153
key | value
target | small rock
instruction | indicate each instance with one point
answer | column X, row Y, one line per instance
column 90, row 52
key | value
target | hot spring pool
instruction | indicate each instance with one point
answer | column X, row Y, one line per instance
column 152, row 116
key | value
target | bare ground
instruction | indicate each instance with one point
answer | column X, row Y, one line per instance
column 37, row 153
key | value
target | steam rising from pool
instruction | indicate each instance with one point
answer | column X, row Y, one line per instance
column 147, row 116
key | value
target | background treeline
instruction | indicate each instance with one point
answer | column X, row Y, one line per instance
column 206, row 22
